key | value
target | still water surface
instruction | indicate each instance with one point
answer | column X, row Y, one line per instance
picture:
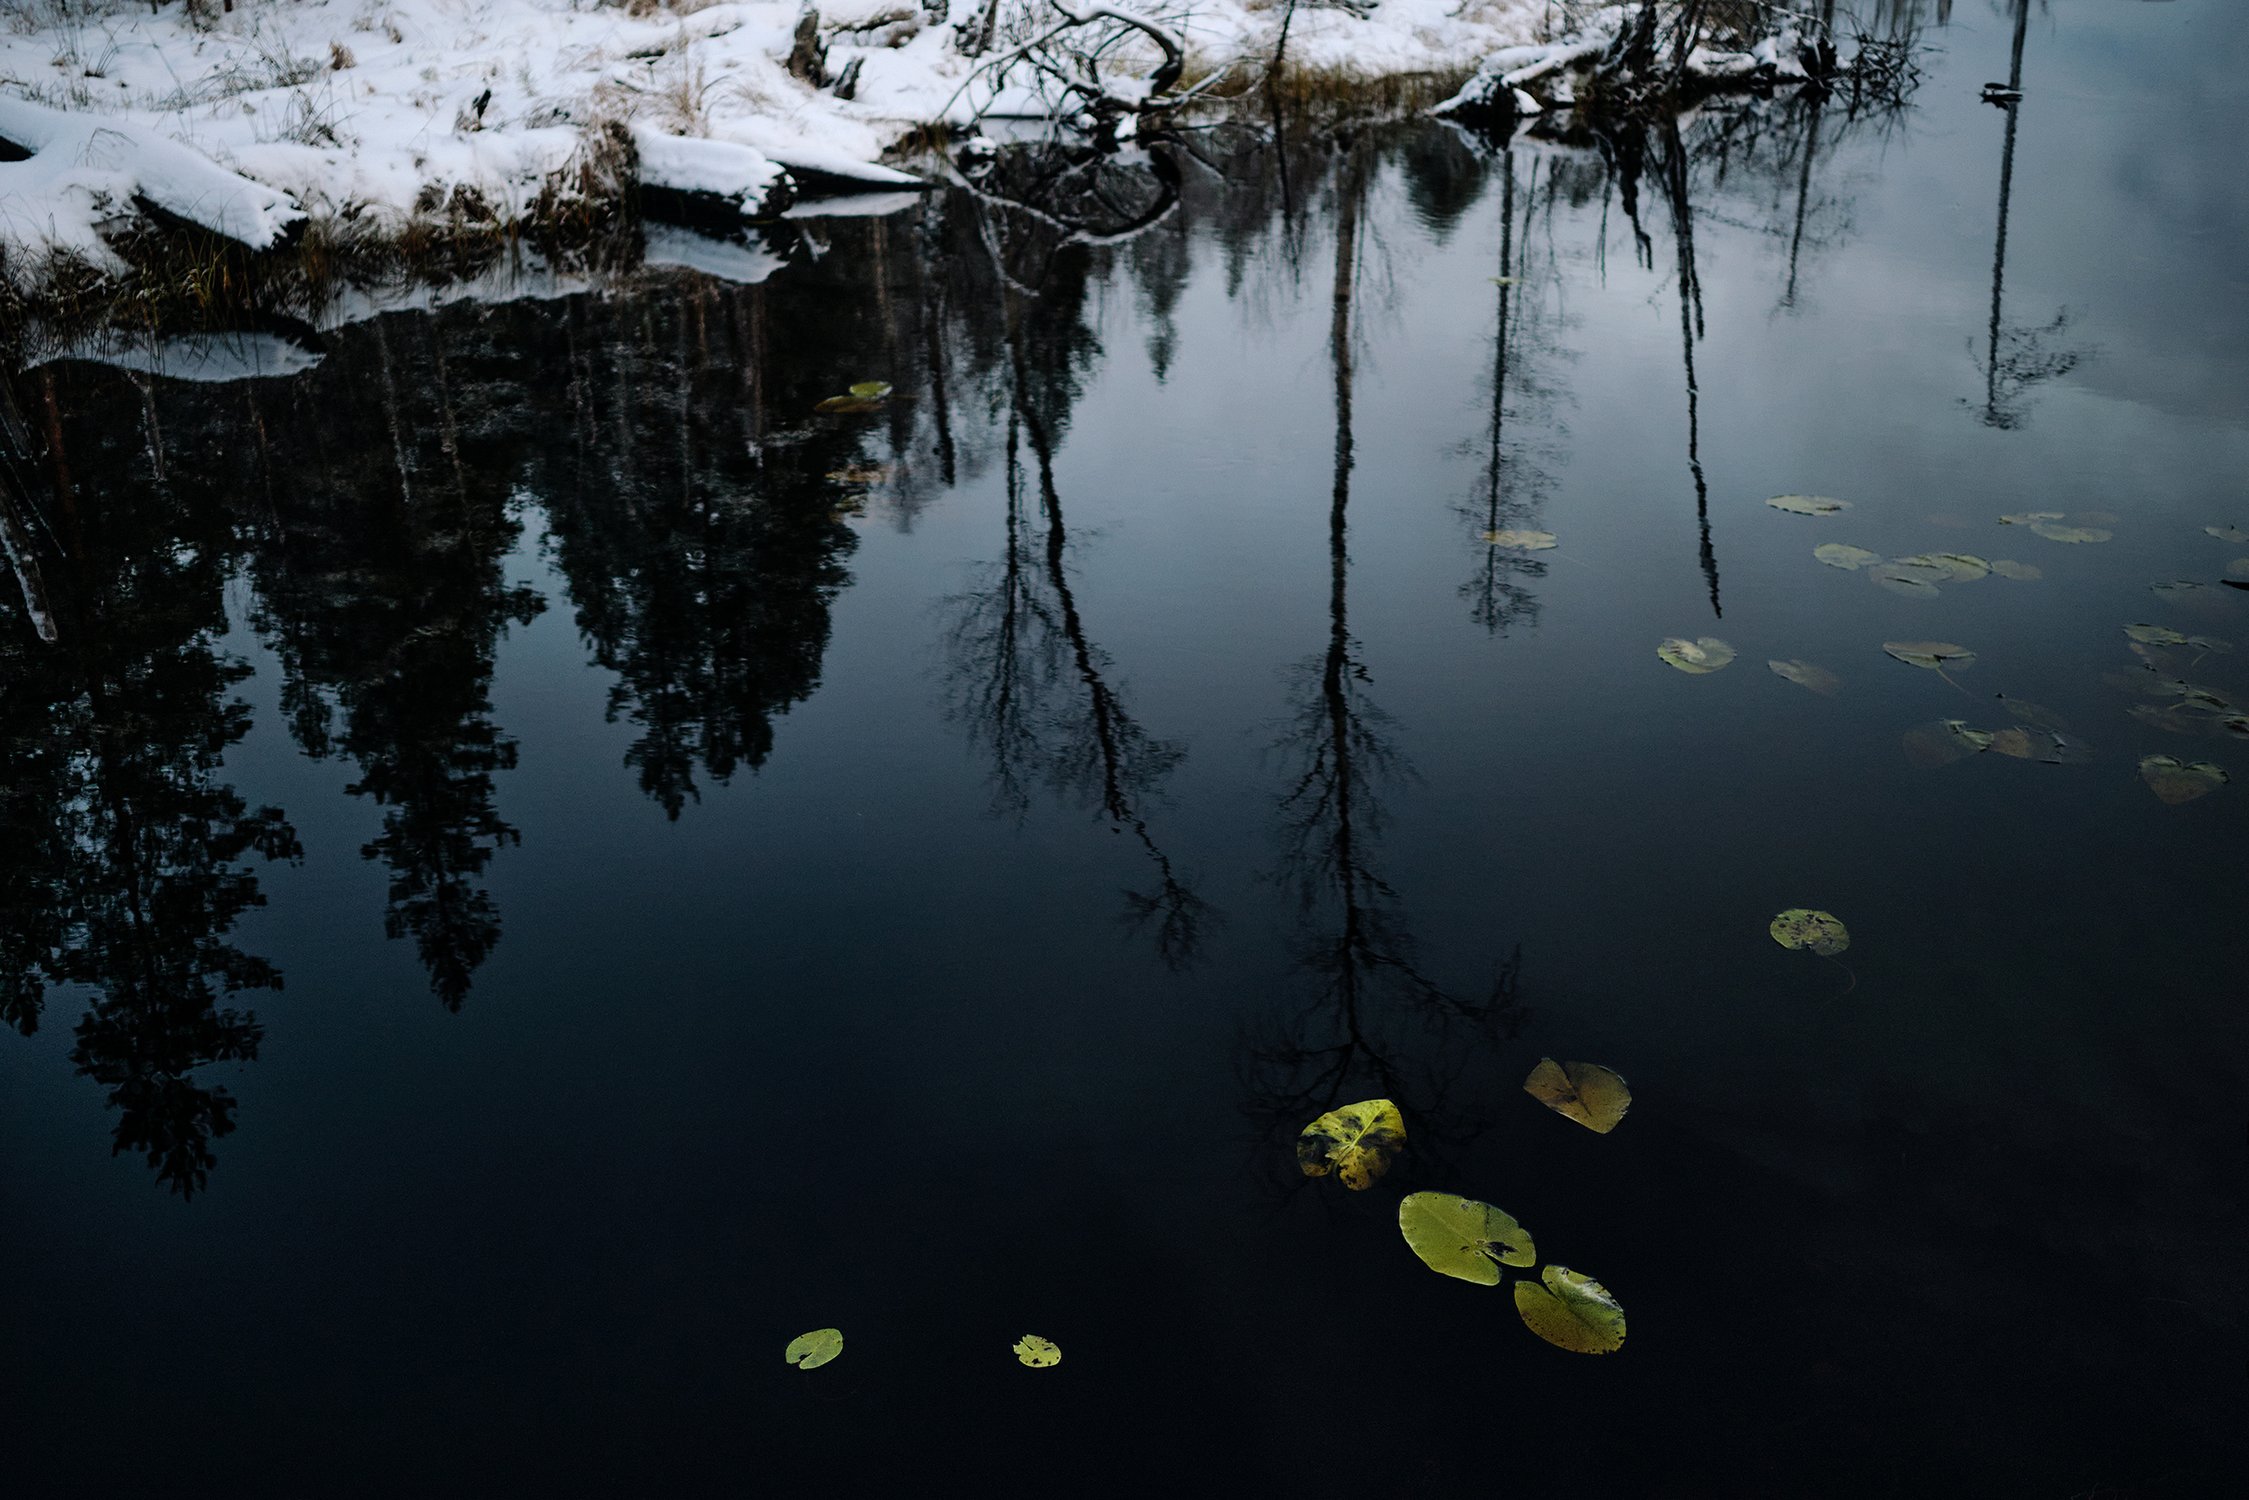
column 558, row 869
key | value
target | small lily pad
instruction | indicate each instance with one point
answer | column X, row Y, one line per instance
column 2154, row 635
column 1843, row 555
column 2018, row 571
column 1934, row 655
column 1588, row 1093
column 1808, row 505
column 1800, row 927
column 2054, row 531
column 1461, row 1237
column 2179, row 589
column 1943, row 741
column 1904, row 578
column 1959, row 567
column 1698, row 657
column 1805, row 674
column 1571, row 1311
column 2176, row 781
column 2030, row 517
column 2227, row 533
column 871, row 390
column 1038, row 1353
column 1520, row 541
column 1356, row 1142
column 809, row 1351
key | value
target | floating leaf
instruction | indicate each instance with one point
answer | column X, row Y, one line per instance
column 1959, row 567
column 2015, row 743
column 1585, row 1092
column 1356, row 1142
column 1801, row 927
column 848, row 405
column 1841, row 555
column 1914, row 583
column 2023, row 711
column 1038, row 1353
column 1943, row 741
column 1934, row 655
column 1805, row 674
column 2019, row 572
column 1571, row 1311
column 2030, row 517
column 1521, row 541
column 1699, row 657
column 2154, row 635
column 871, row 390
column 1461, row 1237
column 1808, row 505
column 2227, row 533
column 2177, row 781
column 2177, row 590
column 2054, row 531
column 809, row 1351
column 2190, row 696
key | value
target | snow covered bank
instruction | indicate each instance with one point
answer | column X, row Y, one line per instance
column 369, row 113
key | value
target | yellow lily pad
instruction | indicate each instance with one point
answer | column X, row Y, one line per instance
column 1588, row 1093
column 1571, row 1311
column 1821, row 932
column 1697, row 657
column 1461, row 1237
column 1355, row 1142
column 809, row 1351
column 1520, row 541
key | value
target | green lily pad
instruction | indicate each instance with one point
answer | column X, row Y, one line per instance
column 1934, row 655
column 1844, row 556
column 2176, row 781
column 809, row 1351
column 1461, row 1237
column 1698, row 657
column 1038, row 1353
column 871, row 390
column 2154, row 635
column 1571, row 1311
column 1959, row 567
column 1520, row 541
column 1805, row 674
column 1808, row 505
column 2019, row 572
column 1802, row 928
column 1905, row 578
column 2054, row 531
column 1588, row 1093
column 1940, row 742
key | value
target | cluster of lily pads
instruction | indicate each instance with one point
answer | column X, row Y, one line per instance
column 809, row 1351
column 1471, row 1240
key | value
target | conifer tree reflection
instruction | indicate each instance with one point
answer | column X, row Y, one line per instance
column 382, row 593
column 1377, row 1023
column 126, row 861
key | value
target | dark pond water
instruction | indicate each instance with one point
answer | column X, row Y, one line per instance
column 539, row 869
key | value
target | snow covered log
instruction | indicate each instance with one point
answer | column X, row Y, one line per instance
column 82, row 169
column 683, row 177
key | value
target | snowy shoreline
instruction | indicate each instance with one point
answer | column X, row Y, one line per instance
column 370, row 114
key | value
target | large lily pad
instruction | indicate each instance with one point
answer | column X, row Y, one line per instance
column 1934, row 655
column 1355, row 1142
column 1806, row 674
column 1699, row 657
column 2055, row 531
column 1940, row 742
column 1571, row 1311
column 1588, row 1093
column 2177, row 781
column 1808, row 505
column 1820, row 932
column 1521, row 541
column 1844, row 556
column 1461, row 1237
column 809, row 1351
